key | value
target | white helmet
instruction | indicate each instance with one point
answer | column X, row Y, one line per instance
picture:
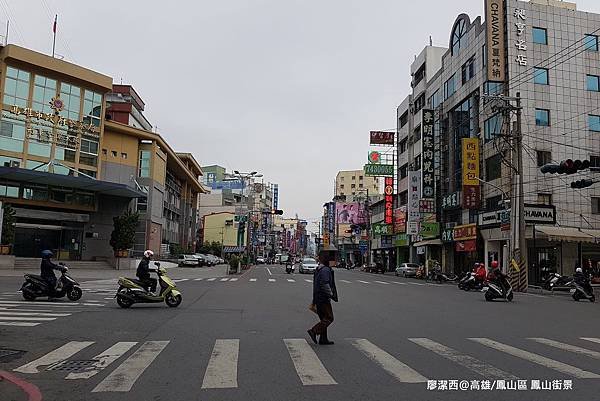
column 148, row 253
column 579, row 270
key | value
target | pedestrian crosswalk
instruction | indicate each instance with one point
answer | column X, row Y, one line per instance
column 288, row 279
column 15, row 313
column 126, row 361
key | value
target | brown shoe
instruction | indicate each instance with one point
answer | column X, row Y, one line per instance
column 312, row 335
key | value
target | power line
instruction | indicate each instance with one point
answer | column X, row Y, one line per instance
column 7, row 12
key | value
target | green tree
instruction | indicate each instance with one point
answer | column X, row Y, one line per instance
column 123, row 234
column 8, row 225
column 216, row 248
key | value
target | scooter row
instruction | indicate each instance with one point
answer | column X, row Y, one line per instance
column 130, row 291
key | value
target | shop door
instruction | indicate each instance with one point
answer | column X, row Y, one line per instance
column 70, row 244
column 31, row 241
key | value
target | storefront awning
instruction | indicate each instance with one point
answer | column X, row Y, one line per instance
column 569, row 234
column 22, row 175
column 435, row 241
column 233, row 249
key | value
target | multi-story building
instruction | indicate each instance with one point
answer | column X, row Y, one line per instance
column 351, row 182
column 512, row 56
column 68, row 169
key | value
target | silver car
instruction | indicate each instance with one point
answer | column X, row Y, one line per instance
column 407, row 269
column 308, row 265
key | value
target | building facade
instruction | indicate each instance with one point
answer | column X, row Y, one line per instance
column 351, row 182
column 474, row 165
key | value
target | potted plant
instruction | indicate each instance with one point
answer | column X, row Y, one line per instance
column 233, row 264
column 122, row 237
column 8, row 230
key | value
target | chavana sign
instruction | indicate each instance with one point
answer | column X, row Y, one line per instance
column 534, row 214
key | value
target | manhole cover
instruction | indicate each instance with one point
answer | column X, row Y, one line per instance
column 72, row 366
column 7, row 355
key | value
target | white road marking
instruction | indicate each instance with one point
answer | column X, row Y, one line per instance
column 212, row 279
column 103, row 360
column 21, row 318
column 475, row 365
column 252, row 279
column 307, row 280
column 224, row 279
column 180, row 280
column 198, row 279
column 291, row 280
column 397, row 282
column 345, row 281
column 393, row 366
column 271, row 280
column 58, row 355
column 233, row 279
column 592, row 339
column 221, row 371
column 538, row 359
column 381, row 282
column 19, row 324
column 269, row 270
column 89, row 304
column 567, row 347
column 111, row 298
column 39, row 303
column 416, row 283
column 364, row 282
column 18, row 309
column 124, row 377
column 17, row 312
column 309, row 368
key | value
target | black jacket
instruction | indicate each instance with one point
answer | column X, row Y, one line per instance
column 47, row 268
column 324, row 288
column 143, row 269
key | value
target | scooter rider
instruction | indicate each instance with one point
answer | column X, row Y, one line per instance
column 498, row 277
column 47, row 268
column 583, row 280
column 143, row 271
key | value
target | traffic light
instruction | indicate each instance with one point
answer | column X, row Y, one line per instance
column 581, row 184
column 565, row 167
column 277, row 211
column 242, row 225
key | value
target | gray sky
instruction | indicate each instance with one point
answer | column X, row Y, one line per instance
column 289, row 88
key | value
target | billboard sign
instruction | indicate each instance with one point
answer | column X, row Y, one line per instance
column 388, row 192
column 400, row 220
column 381, row 229
column 350, row 213
column 379, row 170
column 470, row 161
column 466, row 232
column 275, row 196
column 331, row 216
column 427, row 154
column 381, row 138
column 414, row 195
column 494, row 22
column 374, row 157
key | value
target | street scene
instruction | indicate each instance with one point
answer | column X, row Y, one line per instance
column 202, row 203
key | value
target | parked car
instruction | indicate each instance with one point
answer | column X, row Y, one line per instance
column 308, row 265
column 407, row 269
column 188, row 260
column 205, row 259
column 260, row 260
column 213, row 259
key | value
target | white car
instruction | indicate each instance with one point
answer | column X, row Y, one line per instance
column 188, row 260
column 308, row 265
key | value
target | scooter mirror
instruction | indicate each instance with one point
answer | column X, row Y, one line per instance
column 156, row 264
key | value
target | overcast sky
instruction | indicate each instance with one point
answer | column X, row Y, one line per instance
column 289, row 88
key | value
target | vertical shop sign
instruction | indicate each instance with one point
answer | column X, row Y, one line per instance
column 470, row 173
column 428, row 188
column 414, row 195
column 331, row 216
column 389, row 200
column 494, row 21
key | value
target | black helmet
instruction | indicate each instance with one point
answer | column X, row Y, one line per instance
column 47, row 254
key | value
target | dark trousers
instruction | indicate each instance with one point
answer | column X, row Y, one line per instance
column 149, row 282
column 325, row 313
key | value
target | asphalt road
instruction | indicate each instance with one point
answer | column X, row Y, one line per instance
column 246, row 340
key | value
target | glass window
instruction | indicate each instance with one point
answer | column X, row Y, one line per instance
column 493, row 169
column 91, row 173
column 540, row 76
column 92, row 107
column 67, row 155
column 459, row 36
column 540, row 36
column 449, row 87
column 37, row 165
column 71, row 97
column 434, row 100
column 7, row 161
column 492, row 127
column 88, row 146
column 62, row 170
column 44, row 90
column 35, row 193
column 593, row 83
column 493, row 88
column 38, row 149
column 9, row 191
column 88, row 160
column 12, row 134
column 16, row 87
column 590, row 42
column 595, row 205
column 468, row 70
column 144, row 166
column 594, row 123
column 544, row 199
column 543, row 157
column 542, row 117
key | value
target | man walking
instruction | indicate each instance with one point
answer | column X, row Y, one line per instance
column 324, row 290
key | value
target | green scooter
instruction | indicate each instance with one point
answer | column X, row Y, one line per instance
column 132, row 291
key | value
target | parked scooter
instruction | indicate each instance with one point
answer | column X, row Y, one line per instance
column 436, row 274
column 555, row 281
column 494, row 290
column 35, row 286
column 289, row 268
column 132, row 291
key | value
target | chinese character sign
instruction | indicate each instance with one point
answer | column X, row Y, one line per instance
column 400, row 220
column 389, row 200
column 428, row 188
column 520, row 16
column 381, row 138
column 470, row 161
column 331, row 216
column 414, row 195
column 466, row 232
column 451, row 201
column 494, row 20
column 275, row 196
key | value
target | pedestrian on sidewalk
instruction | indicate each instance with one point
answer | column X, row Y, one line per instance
column 324, row 290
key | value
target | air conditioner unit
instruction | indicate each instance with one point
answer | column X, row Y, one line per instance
column 450, row 225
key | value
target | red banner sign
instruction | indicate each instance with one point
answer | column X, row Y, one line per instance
column 466, row 232
column 466, row 246
column 471, row 196
column 389, row 200
column 382, row 138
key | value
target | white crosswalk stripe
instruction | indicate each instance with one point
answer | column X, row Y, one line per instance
column 19, row 324
column 594, row 340
column 393, row 366
column 198, row 279
column 252, row 279
column 233, row 279
column 222, row 366
column 537, row 359
column 308, row 280
column 58, row 355
column 345, row 281
column 224, row 279
column 271, row 280
column 475, row 365
column 382, row 282
column 364, row 282
column 124, row 377
column 291, row 280
column 398, row 282
column 23, row 313
column 308, row 366
column 568, row 347
column 103, row 360
column 211, row 279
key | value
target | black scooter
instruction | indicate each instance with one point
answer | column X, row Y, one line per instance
column 583, row 290
column 35, row 286
column 470, row 282
column 494, row 290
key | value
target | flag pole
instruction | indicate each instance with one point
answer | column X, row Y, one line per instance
column 54, row 34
